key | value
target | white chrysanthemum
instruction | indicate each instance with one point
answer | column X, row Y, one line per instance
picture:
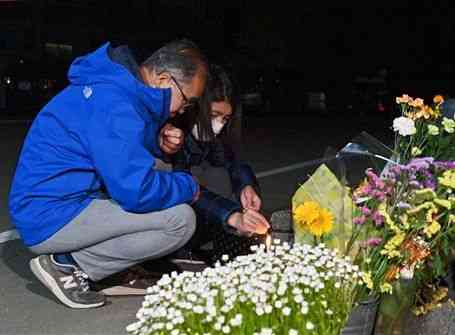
column 236, row 321
column 404, row 126
column 298, row 298
column 309, row 325
column 133, row 327
column 267, row 280
column 281, row 289
column 259, row 311
column 158, row 326
column 449, row 125
column 198, row 309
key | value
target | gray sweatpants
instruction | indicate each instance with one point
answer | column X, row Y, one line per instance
column 105, row 239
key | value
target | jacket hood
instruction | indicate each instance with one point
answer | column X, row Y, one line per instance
column 98, row 68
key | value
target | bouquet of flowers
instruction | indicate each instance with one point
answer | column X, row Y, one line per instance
column 275, row 290
column 321, row 206
column 406, row 222
column 422, row 130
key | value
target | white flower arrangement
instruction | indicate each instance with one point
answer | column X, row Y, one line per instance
column 284, row 290
column 404, row 126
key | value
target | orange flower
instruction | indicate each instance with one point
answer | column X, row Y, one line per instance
column 391, row 275
column 425, row 112
column 417, row 102
column 403, row 99
column 416, row 251
column 360, row 190
column 438, row 99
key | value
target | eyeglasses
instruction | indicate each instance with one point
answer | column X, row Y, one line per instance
column 187, row 103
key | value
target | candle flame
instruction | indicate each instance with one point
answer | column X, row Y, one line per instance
column 268, row 242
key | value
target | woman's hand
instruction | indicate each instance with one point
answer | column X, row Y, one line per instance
column 249, row 222
column 250, row 199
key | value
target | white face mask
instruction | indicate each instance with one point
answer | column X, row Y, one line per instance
column 217, row 127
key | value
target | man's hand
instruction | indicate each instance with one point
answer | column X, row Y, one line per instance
column 249, row 222
column 250, row 199
column 171, row 139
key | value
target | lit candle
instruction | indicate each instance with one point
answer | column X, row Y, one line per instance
column 268, row 242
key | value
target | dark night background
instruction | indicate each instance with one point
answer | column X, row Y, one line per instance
column 285, row 50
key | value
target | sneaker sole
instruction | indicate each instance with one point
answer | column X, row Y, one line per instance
column 47, row 280
column 122, row 291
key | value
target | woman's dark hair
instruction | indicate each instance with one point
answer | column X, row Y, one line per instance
column 219, row 88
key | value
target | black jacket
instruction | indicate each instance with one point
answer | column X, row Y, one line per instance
column 213, row 207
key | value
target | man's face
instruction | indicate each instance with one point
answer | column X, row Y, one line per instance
column 185, row 95
column 182, row 94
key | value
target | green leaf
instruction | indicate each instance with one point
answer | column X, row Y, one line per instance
column 438, row 267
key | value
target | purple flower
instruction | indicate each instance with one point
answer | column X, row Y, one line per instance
column 389, row 190
column 367, row 189
column 445, row 165
column 370, row 173
column 420, row 163
column 380, row 184
column 403, row 205
column 430, row 183
column 396, row 169
column 373, row 177
column 415, row 184
column 359, row 220
column 378, row 195
column 412, row 176
column 365, row 211
column 377, row 218
column 374, row 241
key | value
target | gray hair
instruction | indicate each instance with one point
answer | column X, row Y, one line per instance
column 181, row 58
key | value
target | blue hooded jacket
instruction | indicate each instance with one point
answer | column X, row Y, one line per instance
column 99, row 133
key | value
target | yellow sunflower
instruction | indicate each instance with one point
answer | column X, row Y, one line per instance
column 307, row 212
column 323, row 224
column 313, row 218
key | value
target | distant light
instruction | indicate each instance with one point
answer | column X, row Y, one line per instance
column 8, row 80
column 21, row 61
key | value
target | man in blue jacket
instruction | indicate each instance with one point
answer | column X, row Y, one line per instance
column 87, row 196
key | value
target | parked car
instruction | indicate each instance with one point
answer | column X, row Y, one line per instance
column 29, row 84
